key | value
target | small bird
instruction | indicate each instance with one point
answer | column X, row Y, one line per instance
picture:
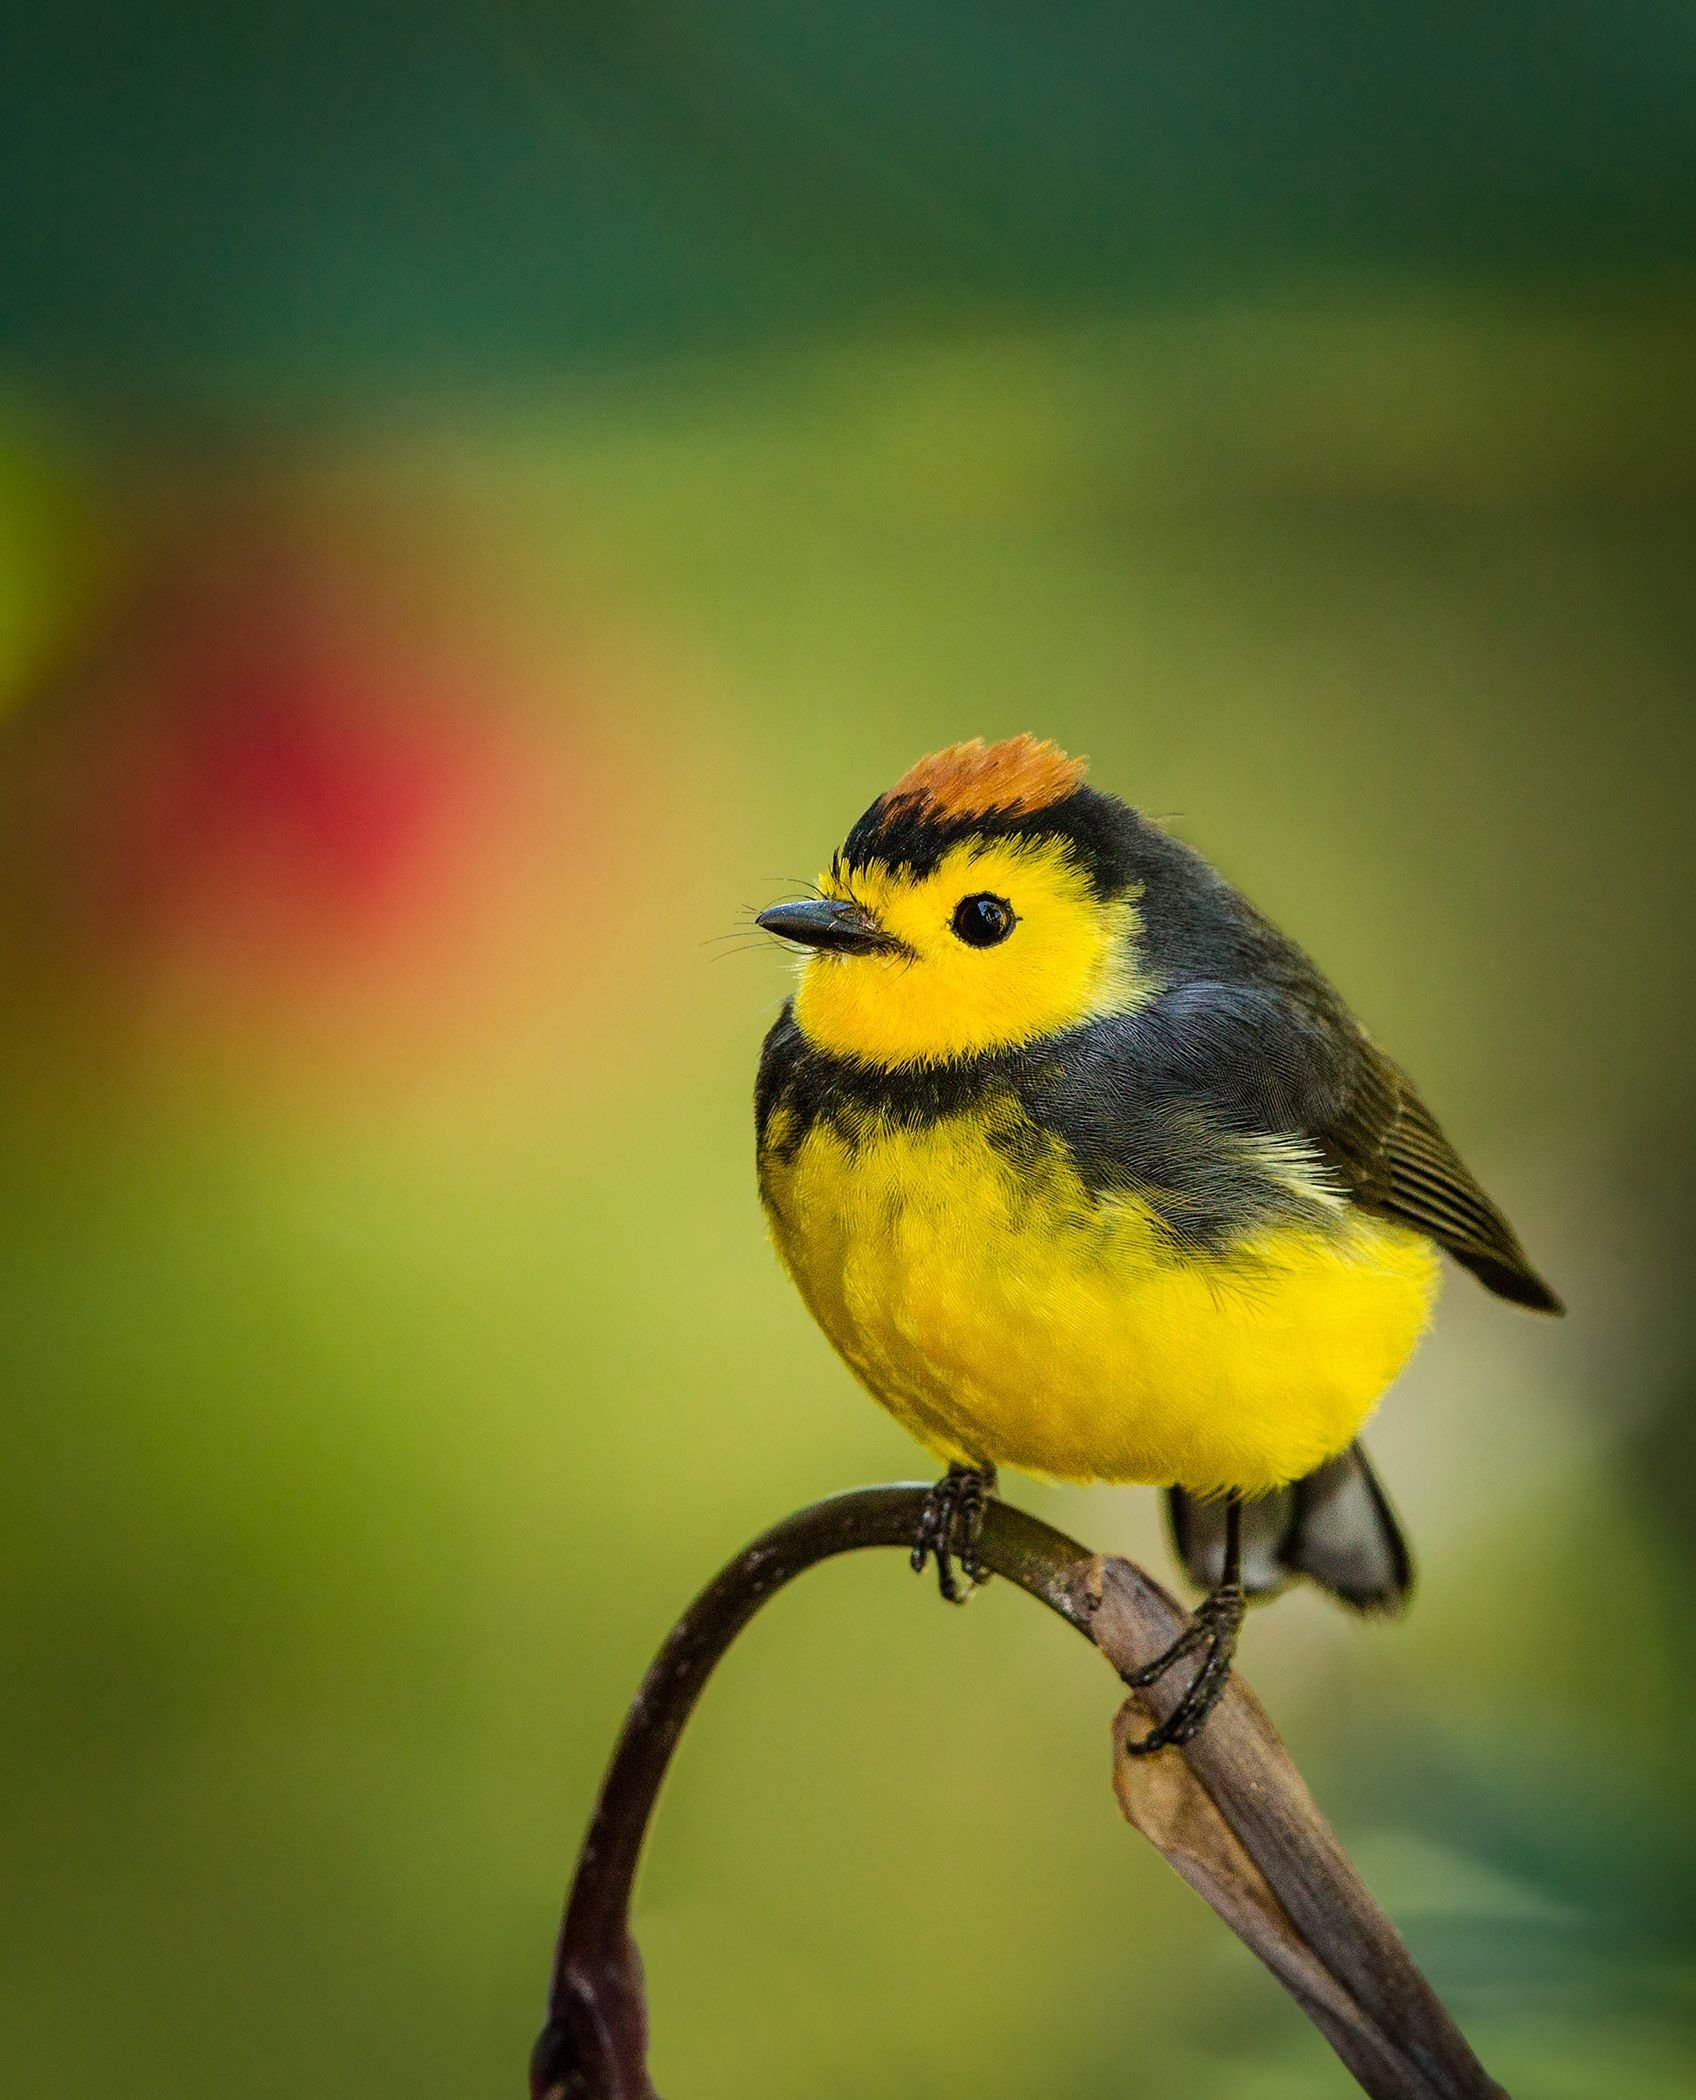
column 1084, row 1168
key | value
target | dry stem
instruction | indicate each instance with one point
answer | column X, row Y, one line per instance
column 1230, row 1812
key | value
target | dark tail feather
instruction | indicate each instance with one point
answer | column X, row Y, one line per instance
column 1335, row 1526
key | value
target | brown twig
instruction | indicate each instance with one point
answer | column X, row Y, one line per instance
column 1229, row 1811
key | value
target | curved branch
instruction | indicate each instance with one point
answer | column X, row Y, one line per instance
column 1229, row 1811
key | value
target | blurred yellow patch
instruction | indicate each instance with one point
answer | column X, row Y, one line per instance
column 50, row 553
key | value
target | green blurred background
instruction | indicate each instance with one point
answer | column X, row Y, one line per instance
column 487, row 494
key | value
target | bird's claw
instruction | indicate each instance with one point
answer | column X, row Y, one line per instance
column 1214, row 1628
column 951, row 1529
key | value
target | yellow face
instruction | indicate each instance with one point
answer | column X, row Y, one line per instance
column 1005, row 941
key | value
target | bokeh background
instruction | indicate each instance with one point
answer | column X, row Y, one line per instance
column 487, row 493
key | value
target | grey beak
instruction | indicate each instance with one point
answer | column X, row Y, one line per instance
column 827, row 923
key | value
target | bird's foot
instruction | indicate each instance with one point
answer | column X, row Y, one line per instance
column 1214, row 1629
column 951, row 1528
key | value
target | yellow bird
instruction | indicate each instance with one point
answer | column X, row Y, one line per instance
column 1084, row 1168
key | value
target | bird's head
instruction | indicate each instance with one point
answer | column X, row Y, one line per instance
column 988, row 898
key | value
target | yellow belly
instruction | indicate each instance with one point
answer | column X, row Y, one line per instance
column 1002, row 1313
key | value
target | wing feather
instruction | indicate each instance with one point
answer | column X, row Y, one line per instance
column 1280, row 1059
column 1392, row 1153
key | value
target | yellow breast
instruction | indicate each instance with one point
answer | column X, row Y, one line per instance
column 1004, row 1312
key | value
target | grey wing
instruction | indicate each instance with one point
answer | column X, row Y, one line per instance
column 1390, row 1150
column 1289, row 1060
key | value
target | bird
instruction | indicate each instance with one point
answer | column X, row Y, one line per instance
column 1085, row 1169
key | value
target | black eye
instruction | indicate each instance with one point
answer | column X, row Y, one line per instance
column 983, row 920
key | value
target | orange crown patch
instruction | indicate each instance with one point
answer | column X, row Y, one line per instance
column 1023, row 774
